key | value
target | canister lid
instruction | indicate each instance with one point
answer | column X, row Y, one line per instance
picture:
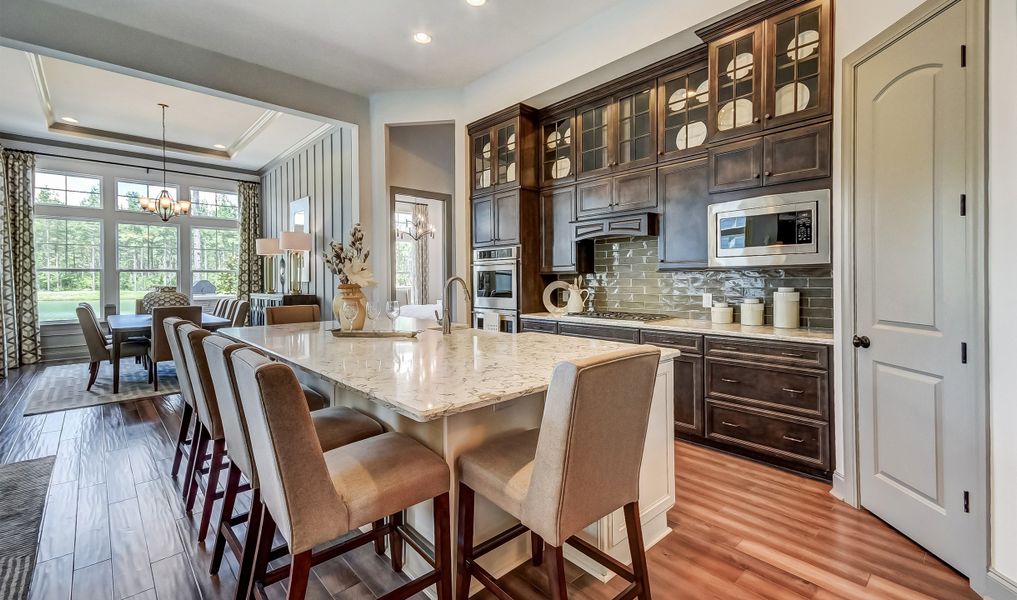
column 785, row 289
column 751, row 301
column 720, row 304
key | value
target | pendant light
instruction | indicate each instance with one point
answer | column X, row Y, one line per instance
column 165, row 206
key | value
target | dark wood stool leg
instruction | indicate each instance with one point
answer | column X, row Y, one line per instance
column 464, row 542
column 211, row 485
column 442, row 546
column 178, row 455
column 248, row 556
column 395, row 542
column 379, row 542
column 555, row 572
column 300, row 571
column 536, row 549
column 93, row 372
column 637, row 549
column 194, row 464
column 229, row 499
column 263, row 550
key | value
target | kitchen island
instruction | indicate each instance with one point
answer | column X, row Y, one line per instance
column 453, row 392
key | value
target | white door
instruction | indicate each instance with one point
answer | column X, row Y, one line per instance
column 915, row 288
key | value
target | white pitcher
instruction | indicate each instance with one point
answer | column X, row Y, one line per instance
column 576, row 302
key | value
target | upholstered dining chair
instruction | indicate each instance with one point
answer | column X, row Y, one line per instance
column 312, row 498
column 334, row 427
column 299, row 313
column 100, row 349
column 220, row 307
column 170, row 326
column 159, row 351
column 238, row 315
column 580, row 465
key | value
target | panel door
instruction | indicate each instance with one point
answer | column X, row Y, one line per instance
column 688, row 394
column 635, row 191
column 685, row 199
column 799, row 64
column 483, row 221
column 736, row 166
column 594, row 198
column 735, row 83
column 558, row 252
column 914, row 294
column 797, row 154
column 506, row 217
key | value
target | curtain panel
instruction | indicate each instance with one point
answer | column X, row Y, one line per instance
column 249, row 275
column 423, row 269
column 19, row 308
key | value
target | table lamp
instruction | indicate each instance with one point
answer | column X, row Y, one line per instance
column 269, row 249
column 296, row 243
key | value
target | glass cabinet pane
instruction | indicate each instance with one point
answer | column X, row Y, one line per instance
column 557, row 154
column 482, row 161
column 506, row 154
column 796, row 63
column 635, row 135
column 686, row 110
column 594, row 141
column 735, row 83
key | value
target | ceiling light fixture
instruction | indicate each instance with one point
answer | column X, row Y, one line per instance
column 476, row 2
column 70, row 120
column 165, row 206
column 421, row 38
column 219, row 146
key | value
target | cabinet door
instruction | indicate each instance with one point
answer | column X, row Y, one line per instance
column 557, row 161
column 635, row 130
column 736, row 166
column 798, row 64
column 685, row 198
column 635, row 191
column 595, row 150
column 481, row 152
column 506, row 155
column 688, row 394
column 683, row 112
column 735, row 82
column 483, row 221
column 594, row 198
column 558, row 249
column 506, row 217
column 797, row 154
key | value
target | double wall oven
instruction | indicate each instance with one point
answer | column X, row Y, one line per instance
column 496, row 288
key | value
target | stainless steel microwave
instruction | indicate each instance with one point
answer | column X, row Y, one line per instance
column 776, row 230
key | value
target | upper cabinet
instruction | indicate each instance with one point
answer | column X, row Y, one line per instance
column 798, row 64
column 596, row 153
column 736, row 76
column 684, row 108
column 480, row 145
column 503, row 152
column 619, row 132
column 557, row 155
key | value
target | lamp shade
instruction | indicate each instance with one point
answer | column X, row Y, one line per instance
column 267, row 246
column 295, row 240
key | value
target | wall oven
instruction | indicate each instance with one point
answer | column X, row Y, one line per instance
column 496, row 278
column 776, row 230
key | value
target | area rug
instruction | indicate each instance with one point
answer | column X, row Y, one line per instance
column 62, row 387
column 23, row 488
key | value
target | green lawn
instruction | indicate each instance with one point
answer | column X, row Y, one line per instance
column 59, row 306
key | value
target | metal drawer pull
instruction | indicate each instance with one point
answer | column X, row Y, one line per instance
column 793, row 439
column 731, row 424
column 725, row 380
column 791, row 391
column 727, row 348
column 791, row 354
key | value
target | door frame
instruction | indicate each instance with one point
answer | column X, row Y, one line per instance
column 848, row 486
column 448, row 223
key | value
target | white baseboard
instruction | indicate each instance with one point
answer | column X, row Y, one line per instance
column 999, row 586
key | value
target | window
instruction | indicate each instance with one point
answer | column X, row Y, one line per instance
column 406, row 249
column 68, row 266
column 215, row 204
column 147, row 257
column 215, row 257
column 130, row 193
column 67, row 189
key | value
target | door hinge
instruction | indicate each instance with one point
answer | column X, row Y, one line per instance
column 967, row 501
column 964, row 205
column 964, row 353
column 964, row 55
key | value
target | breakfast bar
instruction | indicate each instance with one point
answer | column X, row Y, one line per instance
column 452, row 392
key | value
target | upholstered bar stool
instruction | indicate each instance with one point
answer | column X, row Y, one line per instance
column 160, row 350
column 582, row 464
column 183, row 442
column 298, row 313
column 334, row 426
column 314, row 499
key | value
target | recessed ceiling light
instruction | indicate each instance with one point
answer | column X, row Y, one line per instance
column 71, row 120
column 476, row 2
column 219, row 146
column 421, row 38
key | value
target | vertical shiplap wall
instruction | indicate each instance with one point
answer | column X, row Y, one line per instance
column 323, row 171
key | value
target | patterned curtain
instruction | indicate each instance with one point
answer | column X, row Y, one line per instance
column 19, row 309
column 420, row 216
column 249, row 275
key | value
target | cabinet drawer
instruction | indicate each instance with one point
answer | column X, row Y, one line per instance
column 538, row 326
column 781, row 353
column 688, row 343
column 769, row 433
column 785, row 389
column 618, row 334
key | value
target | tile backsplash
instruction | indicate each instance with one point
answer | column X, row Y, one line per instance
column 625, row 278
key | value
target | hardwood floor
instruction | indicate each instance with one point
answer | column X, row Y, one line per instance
column 115, row 527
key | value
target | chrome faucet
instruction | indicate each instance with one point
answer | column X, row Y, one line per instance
column 445, row 319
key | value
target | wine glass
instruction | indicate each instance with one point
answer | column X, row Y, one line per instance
column 373, row 313
column 350, row 311
column 392, row 310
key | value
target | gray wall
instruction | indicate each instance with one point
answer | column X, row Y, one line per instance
column 421, row 157
column 322, row 171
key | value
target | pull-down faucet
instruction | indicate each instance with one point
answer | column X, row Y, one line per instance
column 445, row 319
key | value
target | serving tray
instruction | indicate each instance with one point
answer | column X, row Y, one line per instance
column 339, row 333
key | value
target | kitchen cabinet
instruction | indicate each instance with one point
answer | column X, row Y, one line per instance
column 735, row 83
column 788, row 156
column 498, row 219
column 688, row 377
column 683, row 112
column 616, row 226
column 503, row 151
column 557, row 145
column 595, row 151
column 736, row 166
column 538, row 326
column 619, row 132
column 625, row 192
column 483, row 221
column 559, row 251
column 684, row 198
column 799, row 64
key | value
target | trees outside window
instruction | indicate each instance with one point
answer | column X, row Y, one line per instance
column 215, row 257
column 68, row 266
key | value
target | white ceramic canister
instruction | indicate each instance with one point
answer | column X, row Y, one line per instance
column 785, row 308
column 752, row 311
column 721, row 313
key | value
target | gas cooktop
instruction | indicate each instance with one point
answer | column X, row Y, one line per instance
column 610, row 314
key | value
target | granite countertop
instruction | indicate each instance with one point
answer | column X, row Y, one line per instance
column 432, row 376
column 762, row 332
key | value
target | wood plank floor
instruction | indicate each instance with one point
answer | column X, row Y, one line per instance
column 115, row 527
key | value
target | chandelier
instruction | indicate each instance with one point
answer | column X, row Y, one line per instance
column 415, row 229
column 165, row 206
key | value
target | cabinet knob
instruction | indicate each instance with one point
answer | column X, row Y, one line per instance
column 661, row 153
column 768, row 173
column 755, row 176
column 755, row 120
column 766, row 116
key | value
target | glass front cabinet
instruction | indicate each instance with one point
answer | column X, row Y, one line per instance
column 557, row 144
column 684, row 108
column 502, row 156
column 617, row 133
column 735, row 82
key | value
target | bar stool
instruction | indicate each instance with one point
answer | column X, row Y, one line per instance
column 183, row 442
column 335, row 427
column 583, row 463
column 314, row 499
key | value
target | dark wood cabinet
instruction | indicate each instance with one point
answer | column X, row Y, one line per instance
column 600, row 332
column 625, row 192
column 684, row 198
column 503, row 150
column 498, row 219
column 799, row 64
column 736, row 83
column 619, row 132
column 557, row 149
column 616, row 226
column 688, row 394
column 797, row 154
column 538, row 326
column 766, row 433
column 595, row 151
column 506, row 217
column 736, row 166
column 559, row 251
column 594, row 198
column 683, row 112
column 483, row 221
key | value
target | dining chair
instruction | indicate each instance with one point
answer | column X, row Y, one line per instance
column 581, row 464
column 300, row 313
column 159, row 350
column 100, row 348
column 313, row 498
column 240, row 311
column 220, row 307
column 184, row 444
column 334, row 427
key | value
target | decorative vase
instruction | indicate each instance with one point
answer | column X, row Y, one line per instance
column 350, row 293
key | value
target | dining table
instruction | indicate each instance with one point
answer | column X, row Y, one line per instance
column 122, row 327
